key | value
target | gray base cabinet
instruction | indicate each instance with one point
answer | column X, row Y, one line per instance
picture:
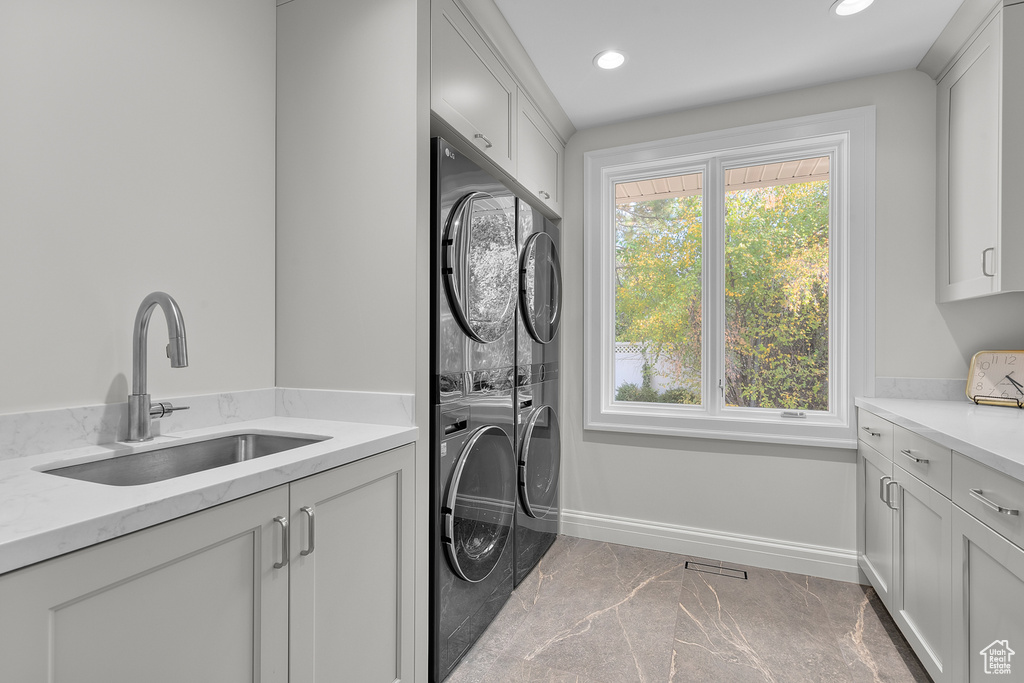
column 206, row 597
column 988, row 603
column 875, row 520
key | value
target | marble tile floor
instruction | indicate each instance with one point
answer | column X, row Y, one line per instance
column 596, row 612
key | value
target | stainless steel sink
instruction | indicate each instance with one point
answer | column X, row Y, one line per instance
column 174, row 461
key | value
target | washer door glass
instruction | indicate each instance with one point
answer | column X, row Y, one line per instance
column 540, row 287
column 539, row 462
column 480, row 259
column 480, row 505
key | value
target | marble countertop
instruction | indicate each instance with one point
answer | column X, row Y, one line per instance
column 991, row 435
column 43, row 515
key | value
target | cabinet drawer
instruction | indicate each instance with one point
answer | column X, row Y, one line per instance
column 875, row 432
column 973, row 482
column 926, row 460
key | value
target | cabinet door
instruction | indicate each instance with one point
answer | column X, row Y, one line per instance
column 921, row 572
column 988, row 601
column 469, row 87
column 352, row 590
column 539, row 157
column 194, row 599
column 969, row 177
column 874, row 520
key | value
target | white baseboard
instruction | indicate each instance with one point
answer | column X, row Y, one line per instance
column 830, row 563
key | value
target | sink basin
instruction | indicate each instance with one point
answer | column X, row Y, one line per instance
column 168, row 462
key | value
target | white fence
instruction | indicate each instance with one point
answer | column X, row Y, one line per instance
column 629, row 367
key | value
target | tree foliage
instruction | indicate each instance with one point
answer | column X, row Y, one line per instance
column 776, row 292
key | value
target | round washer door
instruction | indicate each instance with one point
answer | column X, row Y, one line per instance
column 479, row 268
column 480, row 504
column 540, row 287
column 539, row 463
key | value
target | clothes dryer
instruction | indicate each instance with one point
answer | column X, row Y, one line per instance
column 540, row 296
column 475, row 283
column 473, row 507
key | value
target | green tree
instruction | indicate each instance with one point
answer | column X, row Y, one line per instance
column 776, row 292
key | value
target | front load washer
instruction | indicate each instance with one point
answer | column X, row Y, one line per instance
column 475, row 265
column 538, row 464
column 473, row 503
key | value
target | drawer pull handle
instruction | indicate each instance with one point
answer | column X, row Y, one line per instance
column 481, row 136
column 283, row 522
column 984, row 262
column 977, row 495
column 906, row 452
column 871, row 433
column 310, row 530
column 883, row 489
column 544, row 194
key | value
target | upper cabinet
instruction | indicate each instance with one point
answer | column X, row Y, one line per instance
column 469, row 87
column 979, row 212
column 485, row 89
column 540, row 156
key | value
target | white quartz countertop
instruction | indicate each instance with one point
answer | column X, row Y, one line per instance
column 991, row 435
column 44, row 515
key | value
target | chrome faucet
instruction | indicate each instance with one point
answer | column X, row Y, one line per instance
column 140, row 412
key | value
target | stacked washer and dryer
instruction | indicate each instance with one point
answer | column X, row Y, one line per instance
column 494, row 461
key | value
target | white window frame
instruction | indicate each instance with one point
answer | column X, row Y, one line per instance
column 848, row 138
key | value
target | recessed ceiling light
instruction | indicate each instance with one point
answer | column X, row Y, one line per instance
column 847, row 7
column 610, row 59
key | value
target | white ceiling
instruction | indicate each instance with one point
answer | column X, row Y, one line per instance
column 690, row 53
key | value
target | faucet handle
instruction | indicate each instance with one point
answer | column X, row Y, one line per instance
column 163, row 409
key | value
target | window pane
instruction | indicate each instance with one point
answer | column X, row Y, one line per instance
column 776, row 285
column 658, row 225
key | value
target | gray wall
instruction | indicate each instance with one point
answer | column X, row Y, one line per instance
column 136, row 154
column 661, row 491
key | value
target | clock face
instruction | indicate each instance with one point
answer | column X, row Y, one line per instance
column 997, row 374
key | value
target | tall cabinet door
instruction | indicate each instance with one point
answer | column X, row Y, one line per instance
column 988, row 599
column 352, row 572
column 194, row 599
column 969, row 177
column 875, row 520
column 921, row 571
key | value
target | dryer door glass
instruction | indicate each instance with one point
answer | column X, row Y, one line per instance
column 539, row 462
column 540, row 287
column 480, row 504
column 480, row 259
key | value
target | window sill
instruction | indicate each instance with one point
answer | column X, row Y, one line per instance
column 820, row 433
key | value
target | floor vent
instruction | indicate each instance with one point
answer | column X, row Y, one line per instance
column 719, row 569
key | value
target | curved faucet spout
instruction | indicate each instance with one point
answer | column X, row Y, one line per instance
column 177, row 351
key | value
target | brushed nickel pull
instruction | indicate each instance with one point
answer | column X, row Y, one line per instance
column 481, row 136
column 978, row 495
column 888, row 498
column 883, row 489
column 984, row 262
column 283, row 521
column 310, row 531
column 871, row 433
column 545, row 194
column 906, row 452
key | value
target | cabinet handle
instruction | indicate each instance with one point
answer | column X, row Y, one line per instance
column 283, row 521
column 977, row 495
column 871, row 433
column 906, row 452
column 310, row 531
column 883, row 490
column 888, row 498
column 481, row 136
column 544, row 194
column 984, row 262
